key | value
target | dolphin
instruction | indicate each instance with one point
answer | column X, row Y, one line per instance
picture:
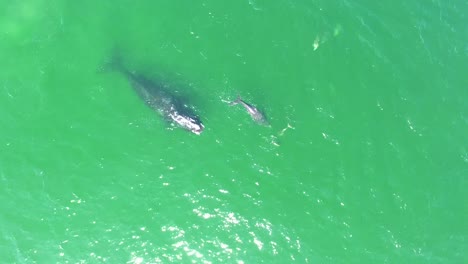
column 256, row 114
column 160, row 99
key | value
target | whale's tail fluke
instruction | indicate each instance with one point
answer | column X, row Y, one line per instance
column 238, row 100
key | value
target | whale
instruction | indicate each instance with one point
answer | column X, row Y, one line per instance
column 159, row 98
column 253, row 111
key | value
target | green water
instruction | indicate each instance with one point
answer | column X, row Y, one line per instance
column 365, row 160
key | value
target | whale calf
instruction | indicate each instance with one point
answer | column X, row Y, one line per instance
column 160, row 99
column 256, row 114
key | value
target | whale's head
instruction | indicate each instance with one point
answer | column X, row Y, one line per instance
column 192, row 124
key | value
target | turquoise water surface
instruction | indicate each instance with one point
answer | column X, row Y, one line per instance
column 365, row 159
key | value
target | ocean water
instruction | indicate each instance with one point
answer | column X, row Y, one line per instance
column 365, row 159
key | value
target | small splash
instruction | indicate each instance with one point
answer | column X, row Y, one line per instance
column 412, row 127
column 254, row 5
column 331, row 139
column 379, row 105
column 316, row 43
column 464, row 156
column 324, row 37
column 338, row 29
column 76, row 200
